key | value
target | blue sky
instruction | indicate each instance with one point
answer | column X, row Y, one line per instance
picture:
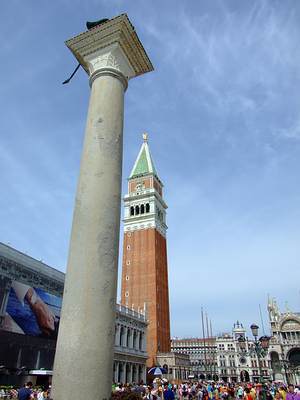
column 222, row 112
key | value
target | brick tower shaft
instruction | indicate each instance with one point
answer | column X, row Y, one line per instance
column 145, row 268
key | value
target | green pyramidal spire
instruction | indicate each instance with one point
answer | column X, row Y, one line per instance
column 144, row 164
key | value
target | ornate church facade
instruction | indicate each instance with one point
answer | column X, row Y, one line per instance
column 284, row 348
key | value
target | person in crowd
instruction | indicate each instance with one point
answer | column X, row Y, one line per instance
column 25, row 393
column 282, row 391
column 148, row 395
column 278, row 395
column 169, row 393
column 240, row 392
column 290, row 393
column 247, row 394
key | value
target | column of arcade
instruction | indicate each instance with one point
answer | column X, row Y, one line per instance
column 129, row 372
column 129, row 337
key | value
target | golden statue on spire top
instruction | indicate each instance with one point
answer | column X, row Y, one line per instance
column 145, row 137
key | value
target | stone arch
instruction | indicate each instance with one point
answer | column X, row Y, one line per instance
column 245, row 376
column 147, row 207
column 122, row 331
column 293, row 356
column 128, row 337
column 137, row 210
column 141, row 341
column 120, row 373
column 127, row 373
column 134, row 373
column 140, row 373
column 142, row 209
column 134, row 339
column 131, row 210
column 290, row 323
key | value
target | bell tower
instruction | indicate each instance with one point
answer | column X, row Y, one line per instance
column 145, row 268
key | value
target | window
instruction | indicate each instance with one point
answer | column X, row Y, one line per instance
column 142, row 209
column 129, row 234
column 126, row 294
column 127, row 278
column 137, row 210
column 134, row 339
column 141, row 341
column 128, row 247
column 121, row 336
column 128, row 262
column 147, row 207
column 131, row 210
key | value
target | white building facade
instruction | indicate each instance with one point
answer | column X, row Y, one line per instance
column 240, row 365
column 221, row 358
column 177, row 365
column 130, row 346
column 202, row 354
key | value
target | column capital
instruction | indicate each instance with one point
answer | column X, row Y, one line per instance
column 111, row 48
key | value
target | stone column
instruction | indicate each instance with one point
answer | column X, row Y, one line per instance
column 123, row 372
column 126, row 372
column 116, row 372
column 144, row 342
column 124, row 342
column 117, row 338
column 111, row 54
column 144, row 378
column 130, row 373
column 138, row 340
column 131, row 338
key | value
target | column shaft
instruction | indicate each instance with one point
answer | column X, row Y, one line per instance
column 116, row 377
column 125, row 336
column 131, row 338
column 86, row 334
column 117, row 338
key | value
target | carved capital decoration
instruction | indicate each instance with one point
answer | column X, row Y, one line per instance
column 112, row 48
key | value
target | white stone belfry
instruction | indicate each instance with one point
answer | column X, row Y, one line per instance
column 111, row 54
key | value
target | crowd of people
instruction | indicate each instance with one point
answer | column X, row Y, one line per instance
column 27, row 392
column 163, row 390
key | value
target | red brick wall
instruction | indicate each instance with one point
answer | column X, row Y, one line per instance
column 157, row 186
column 146, row 252
column 147, row 182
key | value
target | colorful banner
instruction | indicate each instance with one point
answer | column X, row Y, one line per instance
column 32, row 311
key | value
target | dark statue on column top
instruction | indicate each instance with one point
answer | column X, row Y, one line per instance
column 89, row 25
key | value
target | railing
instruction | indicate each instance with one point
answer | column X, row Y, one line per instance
column 129, row 311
